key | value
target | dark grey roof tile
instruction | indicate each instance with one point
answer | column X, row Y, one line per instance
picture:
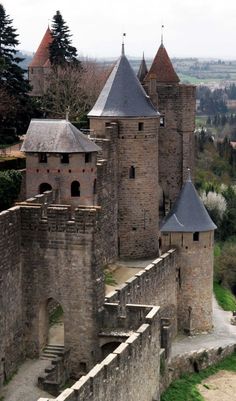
column 56, row 136
column 123, row 95
column 188, row 213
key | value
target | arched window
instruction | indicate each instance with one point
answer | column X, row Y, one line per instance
column 75, row 188
column 132, row 172
column 44, row 187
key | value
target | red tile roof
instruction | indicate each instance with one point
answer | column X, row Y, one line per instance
column 41, row 56
column 162, row 69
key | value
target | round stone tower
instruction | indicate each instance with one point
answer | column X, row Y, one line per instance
column 124, row 101
column 189, row 228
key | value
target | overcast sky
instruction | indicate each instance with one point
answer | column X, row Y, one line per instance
column 196, row 28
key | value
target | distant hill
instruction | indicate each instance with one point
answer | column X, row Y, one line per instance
column 196, row 71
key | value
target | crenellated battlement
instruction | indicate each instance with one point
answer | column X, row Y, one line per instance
column 135, row 357
column 144, row 284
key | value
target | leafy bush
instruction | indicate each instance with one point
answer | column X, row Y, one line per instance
column 10, row 182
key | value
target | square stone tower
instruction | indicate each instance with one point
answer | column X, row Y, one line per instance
column 176, row 104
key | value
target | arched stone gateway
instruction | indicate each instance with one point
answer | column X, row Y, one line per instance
column 44, row 187
column 51, row 323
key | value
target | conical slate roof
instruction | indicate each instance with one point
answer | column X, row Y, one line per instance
column 142, row 72
column 162, row 69
column 188, row 213
column 56, row 136
column 123, row 95
column 41, row 57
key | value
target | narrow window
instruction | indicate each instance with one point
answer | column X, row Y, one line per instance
column 140, row 126
column 43, row 157
column 64, row 158
column 88, row 157
column 196, row 236
column 162, row 121
column 95, row 186
column 132, row 172
column 75, row 188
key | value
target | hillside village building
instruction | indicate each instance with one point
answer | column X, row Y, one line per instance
column 105, row 192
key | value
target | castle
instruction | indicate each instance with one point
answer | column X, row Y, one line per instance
column 92, row 200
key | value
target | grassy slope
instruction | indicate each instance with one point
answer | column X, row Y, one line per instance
column 184, row 389
column 224, row 297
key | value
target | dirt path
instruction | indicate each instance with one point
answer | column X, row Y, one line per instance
column 23, row 386
column 219, row 387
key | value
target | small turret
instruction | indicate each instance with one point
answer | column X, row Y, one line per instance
column 189, row 227
column 143, row 70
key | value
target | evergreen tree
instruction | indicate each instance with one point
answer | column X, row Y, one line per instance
column 12, row 82
column 61, row 51
column 11, row 74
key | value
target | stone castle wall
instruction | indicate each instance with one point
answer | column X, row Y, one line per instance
column 12, row 318
column 154, row 285
column 61, row 175
column 57, row 262
column 137, row 357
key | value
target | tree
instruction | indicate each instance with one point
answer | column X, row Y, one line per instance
column 10, row 183
column 73, row 88
column 16, row 104
column 61, row 51
column 12, row 75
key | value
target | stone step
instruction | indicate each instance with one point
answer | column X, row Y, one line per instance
column 56, row 347
column 52, row 351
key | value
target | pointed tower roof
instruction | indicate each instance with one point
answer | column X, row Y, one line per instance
column 123, row 95
column 188, row 213
column 162, row 68
column 41, row 57
column 142, row 72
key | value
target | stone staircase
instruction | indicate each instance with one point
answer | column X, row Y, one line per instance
column 52, row 351
column 57, row 372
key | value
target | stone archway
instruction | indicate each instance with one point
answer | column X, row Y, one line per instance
column 108, row 348
column 51, row 324
column 44, row 187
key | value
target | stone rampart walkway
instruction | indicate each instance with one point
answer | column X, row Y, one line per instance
column 23, row 387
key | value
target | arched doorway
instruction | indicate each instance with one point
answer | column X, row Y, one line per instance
column 108, row 348
column 51, row 324
column 44, row 187
column 75, row 188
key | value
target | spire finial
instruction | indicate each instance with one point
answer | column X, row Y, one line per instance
column 143, row 56
column 162, row 33
column 123, row 44
column 189, row 175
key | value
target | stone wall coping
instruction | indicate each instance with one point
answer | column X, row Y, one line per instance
column 108, row 367
column 134, row 283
